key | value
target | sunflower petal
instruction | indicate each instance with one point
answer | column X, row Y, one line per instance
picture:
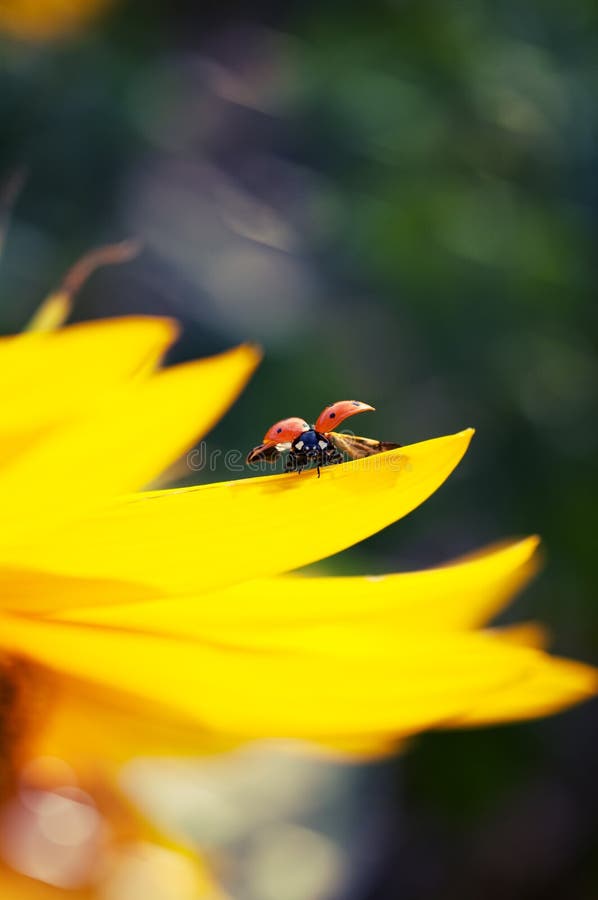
column 530, row 634
column 315, row 684
column 125, row 442
column 85, row 723
column 552, row 685
column 197, row 540
column 459, row 595
column 68, row 365
column 50, row 379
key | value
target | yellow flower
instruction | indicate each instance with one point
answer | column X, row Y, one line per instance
column 165, row 621
column 174, row 604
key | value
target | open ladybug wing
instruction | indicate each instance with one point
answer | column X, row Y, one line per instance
column 264, row 453
column 358, row 447
column 337, row 412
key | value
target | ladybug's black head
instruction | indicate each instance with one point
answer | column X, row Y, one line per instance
column 311, row 441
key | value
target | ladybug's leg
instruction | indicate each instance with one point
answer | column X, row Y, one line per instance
column 325, row 457
column 296, row 462
column 319, row 460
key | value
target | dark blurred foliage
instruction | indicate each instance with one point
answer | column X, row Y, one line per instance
column 399, row 201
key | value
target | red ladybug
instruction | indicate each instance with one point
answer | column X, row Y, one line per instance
column 317, row 443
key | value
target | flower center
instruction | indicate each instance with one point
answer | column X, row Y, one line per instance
column 24, row 705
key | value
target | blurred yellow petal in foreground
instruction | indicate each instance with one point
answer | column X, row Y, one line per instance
column 313, row 682
column 51, row 379
column 121, row 442
column 459, row 595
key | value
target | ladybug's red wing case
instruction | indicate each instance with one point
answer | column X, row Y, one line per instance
column 358, row 447
column 337, row 412
column 285, row 431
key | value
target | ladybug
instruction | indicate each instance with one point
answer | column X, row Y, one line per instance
column 308, row 444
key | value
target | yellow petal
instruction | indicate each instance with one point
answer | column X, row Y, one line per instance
column 53, row 313
column 27, row 590
column 200, row 539
column 50, row 379
column 67, row 364
column 455, row 596
column 126, row 440
column 530, row 634
column 551, row 685
column 87, row 723
column 342, row 682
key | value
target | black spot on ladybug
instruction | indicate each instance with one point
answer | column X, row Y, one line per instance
column 332, row 415
column 278, row 430
column 356, row 403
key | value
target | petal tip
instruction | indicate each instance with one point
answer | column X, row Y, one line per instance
column 532, row 542
column 170, row 328
column 253, row 351
column 252, row 354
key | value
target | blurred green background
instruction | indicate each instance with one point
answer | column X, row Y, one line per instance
column 399, row 201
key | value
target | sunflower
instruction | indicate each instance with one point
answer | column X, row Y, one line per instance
column 177, row 603
column 170, row 621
